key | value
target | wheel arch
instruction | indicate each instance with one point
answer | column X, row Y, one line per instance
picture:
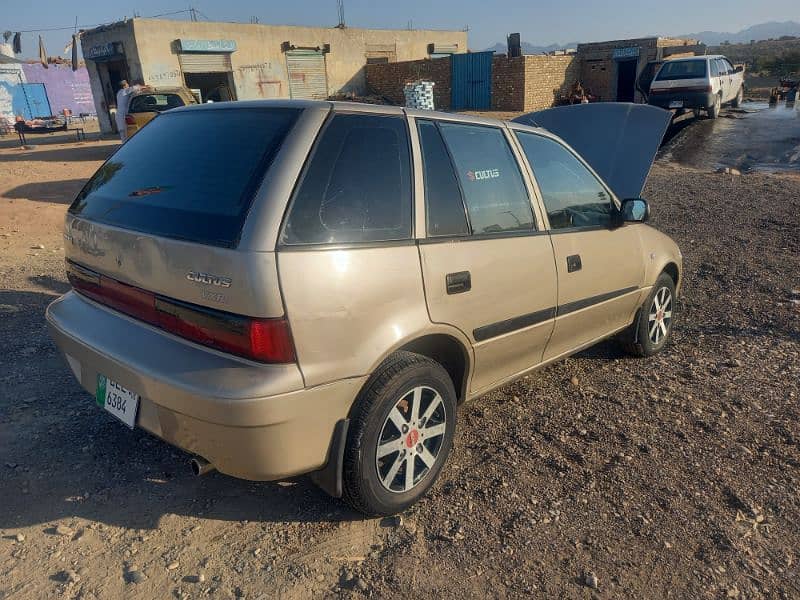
column 448, row 352
column 449, row 348
column 672, row 269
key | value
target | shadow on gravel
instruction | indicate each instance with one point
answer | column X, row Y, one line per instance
column 58, row 286
column 59, row 192
column 75, row 153
column 61, row 456
column 607, row 350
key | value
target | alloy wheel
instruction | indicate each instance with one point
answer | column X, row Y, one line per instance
column 411, row 439
column 660, row 316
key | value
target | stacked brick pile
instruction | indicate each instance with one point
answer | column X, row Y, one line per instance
column 419, row 94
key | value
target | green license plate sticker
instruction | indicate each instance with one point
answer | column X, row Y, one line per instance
column 100, row 396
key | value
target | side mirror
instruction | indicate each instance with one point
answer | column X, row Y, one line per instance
column 635, row 210
column 738, row 69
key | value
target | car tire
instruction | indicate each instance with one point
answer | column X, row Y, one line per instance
column 737, row 101
column 402, row 422
column 714, row 109
column 651, row 331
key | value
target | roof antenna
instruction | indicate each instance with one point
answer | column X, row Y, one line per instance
column 340, row 8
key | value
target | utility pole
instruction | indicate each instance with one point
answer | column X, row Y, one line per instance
column 340, row 7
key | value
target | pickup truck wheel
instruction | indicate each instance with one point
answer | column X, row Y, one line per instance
column 652, row 328
column 401, row 431
column 714, row 109
column 737, row 102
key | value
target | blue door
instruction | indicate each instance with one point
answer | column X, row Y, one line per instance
column 30, row 100
column 471, row 81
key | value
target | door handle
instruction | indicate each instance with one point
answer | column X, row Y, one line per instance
column 574, row 263
column 458, row 283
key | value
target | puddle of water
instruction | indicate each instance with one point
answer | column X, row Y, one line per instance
column 755, row 137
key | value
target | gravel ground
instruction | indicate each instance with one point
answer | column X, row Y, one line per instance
column 601, row 476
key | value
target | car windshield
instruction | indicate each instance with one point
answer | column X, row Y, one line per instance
column 188, row 175
column 682, row 69
column 155, row 102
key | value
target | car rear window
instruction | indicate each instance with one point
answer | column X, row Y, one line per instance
column 155, row 103
column 188, row 175
column 682, row 69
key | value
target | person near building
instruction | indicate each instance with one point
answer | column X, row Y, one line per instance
column 123, row 101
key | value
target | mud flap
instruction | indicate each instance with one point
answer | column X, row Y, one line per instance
column 329, row 477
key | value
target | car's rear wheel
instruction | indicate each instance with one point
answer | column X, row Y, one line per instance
column 652, row 329
column 401, row 431
column 737, row 101
column 714, row 109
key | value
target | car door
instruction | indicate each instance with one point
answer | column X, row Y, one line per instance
column 734, row 78
column 724, row 80
column 486, row 261
column 600, row 267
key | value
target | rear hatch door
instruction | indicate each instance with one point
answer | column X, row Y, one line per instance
column 165, row 213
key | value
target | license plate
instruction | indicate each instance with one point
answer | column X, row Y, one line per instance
column 119, row 401
column 676, row 104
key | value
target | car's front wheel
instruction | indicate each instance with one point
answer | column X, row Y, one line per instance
column 651, row 331
column 401, row 431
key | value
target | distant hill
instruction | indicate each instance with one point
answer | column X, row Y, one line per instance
column 502, row 48
column 762, row 31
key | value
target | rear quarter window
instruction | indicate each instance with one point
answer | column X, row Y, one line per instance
column 682, row 69
column 356, row 186
column 188, row 175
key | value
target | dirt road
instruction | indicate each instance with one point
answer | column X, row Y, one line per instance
column 602, row 476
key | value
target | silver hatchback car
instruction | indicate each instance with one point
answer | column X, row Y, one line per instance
column 297, row 287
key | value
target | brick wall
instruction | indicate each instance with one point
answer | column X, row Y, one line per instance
column 508, row 83
column 388, row 79
column 547, row 78
column 528, row 83
column 522, row 83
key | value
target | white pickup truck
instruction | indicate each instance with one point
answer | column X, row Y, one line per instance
column 699, row 83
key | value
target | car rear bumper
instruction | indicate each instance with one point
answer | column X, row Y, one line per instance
column 689, row 99
column 249, row 420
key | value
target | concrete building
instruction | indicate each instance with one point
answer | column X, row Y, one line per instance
column 236, row 61
column 608, row 70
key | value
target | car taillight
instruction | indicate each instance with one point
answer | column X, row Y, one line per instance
column 264, row 340
column 129, row 120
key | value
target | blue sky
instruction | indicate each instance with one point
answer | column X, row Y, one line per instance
column 539, row 22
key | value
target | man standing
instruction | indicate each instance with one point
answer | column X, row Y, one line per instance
column 123, row 100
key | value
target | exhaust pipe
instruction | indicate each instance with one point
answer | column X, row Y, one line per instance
column 200, row 466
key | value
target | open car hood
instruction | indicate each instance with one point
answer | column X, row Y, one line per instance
column 618, row 139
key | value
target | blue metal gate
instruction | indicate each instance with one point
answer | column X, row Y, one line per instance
column 471, row 81
column 30, row 100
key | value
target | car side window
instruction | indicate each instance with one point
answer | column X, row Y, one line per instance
column 714, row 68
column 728, row 66
column 444, row 206
column 493, row 189
column 572, row 195
column 357, row 184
